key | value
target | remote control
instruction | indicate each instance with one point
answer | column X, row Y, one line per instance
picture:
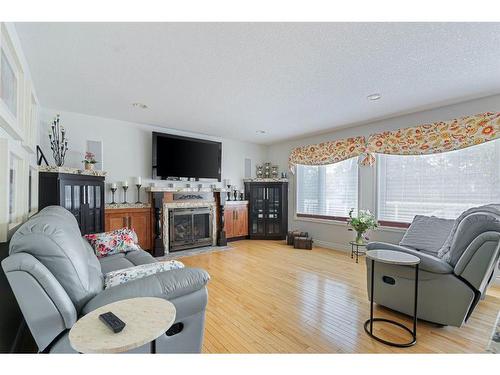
column 112, row 321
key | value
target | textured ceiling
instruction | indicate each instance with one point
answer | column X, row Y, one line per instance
column 233, row 79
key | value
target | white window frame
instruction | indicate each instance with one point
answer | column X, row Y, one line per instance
column 12, row 123
column 386, row 224
column 341, row 220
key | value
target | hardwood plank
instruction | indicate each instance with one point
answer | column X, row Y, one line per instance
column 266, row 297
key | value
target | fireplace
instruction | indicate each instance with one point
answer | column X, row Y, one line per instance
column 189, row 228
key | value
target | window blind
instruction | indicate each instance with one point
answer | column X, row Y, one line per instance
column 328, row 190
column 442, row 185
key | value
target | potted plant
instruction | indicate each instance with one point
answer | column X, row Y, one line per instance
column 362, row 223
column 89, row 161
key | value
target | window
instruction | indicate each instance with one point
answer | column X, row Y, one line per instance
column 443, row 185
column 8, row 84
column 328, row 191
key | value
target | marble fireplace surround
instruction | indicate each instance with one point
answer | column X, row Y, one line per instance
column 210, row 204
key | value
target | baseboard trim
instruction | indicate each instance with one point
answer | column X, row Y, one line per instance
column 333, row 245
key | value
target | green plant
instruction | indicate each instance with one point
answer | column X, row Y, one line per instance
column 89, row 158
column 361, row 223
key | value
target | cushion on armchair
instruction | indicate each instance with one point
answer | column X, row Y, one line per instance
column 113, row 242
column 427, row 233
column 118, row 277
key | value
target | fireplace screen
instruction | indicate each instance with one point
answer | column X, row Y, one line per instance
column 190, row 227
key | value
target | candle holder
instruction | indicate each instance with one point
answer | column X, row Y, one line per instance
column 125, row 188
column 138, row 193
column 113, row 191
column 228, row 192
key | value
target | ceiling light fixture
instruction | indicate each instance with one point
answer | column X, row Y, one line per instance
column 260, row 132
column 375, row 96
column 140, row 105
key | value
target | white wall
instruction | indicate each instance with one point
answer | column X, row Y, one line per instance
column 127, row 149
column 335, row 235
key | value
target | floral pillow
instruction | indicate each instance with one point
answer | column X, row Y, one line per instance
column 114, row 242
column 125, row 275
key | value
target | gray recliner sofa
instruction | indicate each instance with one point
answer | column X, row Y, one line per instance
column 458, row 261
column 56, row 278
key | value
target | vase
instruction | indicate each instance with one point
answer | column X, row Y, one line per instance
column 89, row 166
column 359, row 238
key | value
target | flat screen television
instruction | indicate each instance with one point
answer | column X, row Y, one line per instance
column 177, row 157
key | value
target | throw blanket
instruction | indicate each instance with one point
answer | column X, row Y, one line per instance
column 125, row 275
column 445, row 251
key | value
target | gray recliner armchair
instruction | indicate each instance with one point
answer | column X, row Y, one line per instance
column 458, row 261
column 56, row 278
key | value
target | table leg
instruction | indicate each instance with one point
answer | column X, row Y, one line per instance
column 153, row 347
column 371, row 296
column 357, row 253
column 369, row 322
column 352, row 250
column 415, row 302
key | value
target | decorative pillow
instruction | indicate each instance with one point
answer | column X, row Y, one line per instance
column 114, row 242
column 427, row 233
column 118, row 277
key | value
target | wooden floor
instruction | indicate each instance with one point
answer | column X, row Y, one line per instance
column 266, row 297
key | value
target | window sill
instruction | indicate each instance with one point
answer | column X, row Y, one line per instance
column 387, row 228
column 384, row 228
column 320, row 221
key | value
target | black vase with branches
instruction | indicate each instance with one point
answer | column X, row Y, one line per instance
column 58, row 141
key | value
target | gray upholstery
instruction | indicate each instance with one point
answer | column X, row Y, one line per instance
column 57, row 278
column 54, row 239
column 471, row 227
column 427, row 262
column 448, row 289
column 427, row 233
column 121, row 260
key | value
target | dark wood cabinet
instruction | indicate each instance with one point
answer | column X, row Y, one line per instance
column 236, row 219
column 82, row 195
column 268, row 209
column 138, row 219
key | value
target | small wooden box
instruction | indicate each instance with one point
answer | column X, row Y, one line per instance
column 303, row 243
column 294, row 233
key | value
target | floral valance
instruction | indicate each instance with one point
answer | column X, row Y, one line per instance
column 437, row 137
column 327, row 152
column 423, row 139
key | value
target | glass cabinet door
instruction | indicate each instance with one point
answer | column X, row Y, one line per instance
column 273, row 222
column 258, row 210
column 93, row 220
column 72, row 197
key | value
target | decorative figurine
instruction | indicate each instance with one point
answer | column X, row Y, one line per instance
column 58, row 142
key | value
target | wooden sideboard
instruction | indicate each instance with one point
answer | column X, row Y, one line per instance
column 236, row 219
column 137, row 218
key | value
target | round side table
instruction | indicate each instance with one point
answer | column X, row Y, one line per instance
column 399, row 258
column 146, row 319
column 357, row 252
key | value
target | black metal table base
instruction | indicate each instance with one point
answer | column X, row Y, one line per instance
column 405, row 345
column 369, row 323
column 357, row 252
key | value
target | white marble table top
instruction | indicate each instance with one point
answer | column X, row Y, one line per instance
column 392, row 257
column 146, row 319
